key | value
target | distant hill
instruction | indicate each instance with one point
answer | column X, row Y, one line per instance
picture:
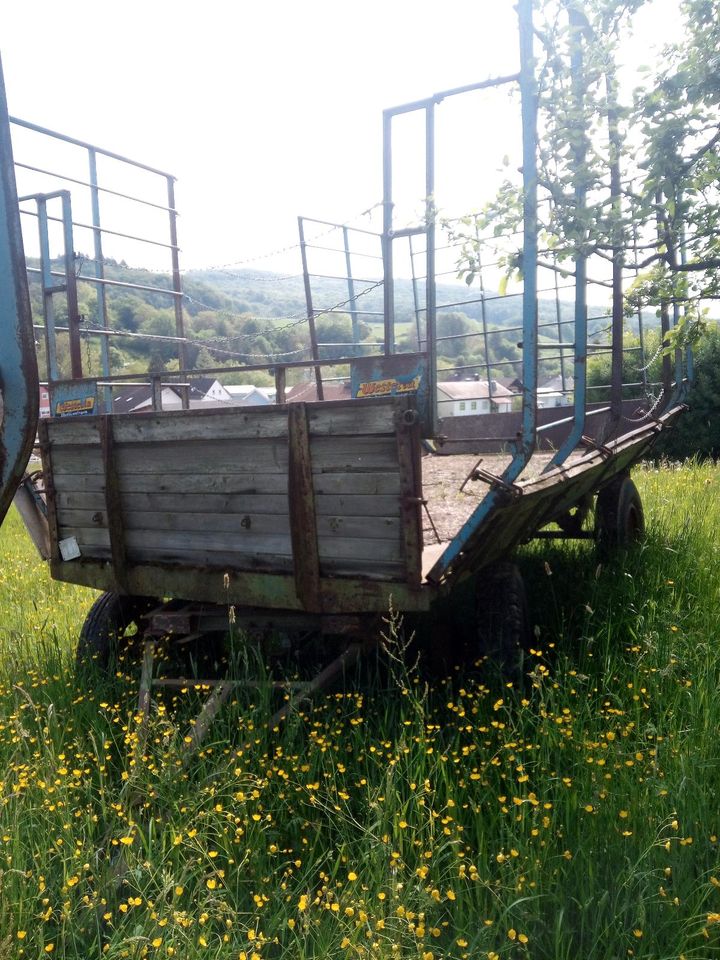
column 247, row 316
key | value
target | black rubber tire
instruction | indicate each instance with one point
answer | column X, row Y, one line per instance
column 111, row 624
column 503, row 621
column 619, row 516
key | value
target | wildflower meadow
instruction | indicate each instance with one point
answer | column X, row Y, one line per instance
column 407, row 813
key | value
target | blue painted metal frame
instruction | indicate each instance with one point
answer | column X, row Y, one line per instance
column 18, row 366
column 526, row 443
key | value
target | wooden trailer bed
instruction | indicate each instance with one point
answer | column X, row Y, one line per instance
column 304, row 506
column 320, row 507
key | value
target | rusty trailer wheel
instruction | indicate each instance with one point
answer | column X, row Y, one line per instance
column 619, row 516
column 112, row 630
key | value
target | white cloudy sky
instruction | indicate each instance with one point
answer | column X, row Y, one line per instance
column 263, row 110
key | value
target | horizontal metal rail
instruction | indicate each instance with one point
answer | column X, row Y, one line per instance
column 84, row 183
column 340, row 226
column 105, row 282
column 89, row 146
column 454, row 92
column 103, row 230
column 355, row 253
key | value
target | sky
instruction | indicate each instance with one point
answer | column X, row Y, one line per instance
column 265, row 110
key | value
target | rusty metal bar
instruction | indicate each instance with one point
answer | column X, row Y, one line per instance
column 87, row 146
column 85, row 183
column 107, row 282
column 47, row 290
column 176, row 278
column 105, row 230
column 339, row 665
column 387, row 238
column 99, row 273
column 280, row 381
column 430, row 282
column 209, row 711
column 71, row 296
column 310, row 310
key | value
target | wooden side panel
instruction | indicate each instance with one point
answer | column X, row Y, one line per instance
column 313, row 491
column 345, row 461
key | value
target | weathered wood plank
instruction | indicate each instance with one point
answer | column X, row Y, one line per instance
column 350, row 454
column 239, row 524
column 74, row 430
column 88, row 538
column 329, row 454
column 363, row 506
column 233, row 504
column 173, row 426
column 303, row 521
column 235, row 550
column 81, row 460
column 227, row 425
column 188, row 541
column 363, row 484
column 352, row 420
column 199, row 458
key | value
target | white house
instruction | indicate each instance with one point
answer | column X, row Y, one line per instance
column 552, row 394
column 248, row 395
column 464, row 398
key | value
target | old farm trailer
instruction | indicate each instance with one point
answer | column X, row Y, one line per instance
column 307, row 516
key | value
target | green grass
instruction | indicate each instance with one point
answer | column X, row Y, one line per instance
column 577, row 818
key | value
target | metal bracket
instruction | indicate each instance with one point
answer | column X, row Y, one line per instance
column 596, row 445
column 493, row 481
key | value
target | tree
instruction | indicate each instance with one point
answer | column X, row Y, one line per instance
column 615, row 175
column 697, row 432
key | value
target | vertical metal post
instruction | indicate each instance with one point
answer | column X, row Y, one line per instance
column 618, row 263
column 688, row 350
column 157, row 391
column 416, row 301
column 351, row 288
column 483, row 318
column 71, row 288
column 641, row 327
column 47, row 282
column 579, row 152
column 387, row 240
column 676, row 320
column 559, row 324
column 176, row 278
column 99, row 274
column 528, row 94
column 664, row 317
column 280, row 373
column 430, row 294
column 310, row 309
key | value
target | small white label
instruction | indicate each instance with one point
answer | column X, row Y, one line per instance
column 69, row 548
